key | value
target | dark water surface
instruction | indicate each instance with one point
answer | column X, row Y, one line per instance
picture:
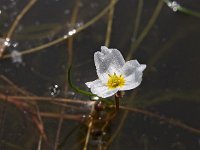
column 169, row 93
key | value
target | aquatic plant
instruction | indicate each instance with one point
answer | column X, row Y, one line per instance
column 39, row 110
column 114, row 74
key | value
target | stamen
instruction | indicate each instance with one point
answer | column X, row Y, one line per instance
column 115, row 81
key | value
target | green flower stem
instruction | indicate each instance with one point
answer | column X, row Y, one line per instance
column 116, row 103
column 108, row 102
column 75, row 88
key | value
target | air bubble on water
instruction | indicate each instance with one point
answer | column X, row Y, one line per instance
column 54, row 90
column 72, row 32
column 173, row 5
column 7, row 42
column 4, row 43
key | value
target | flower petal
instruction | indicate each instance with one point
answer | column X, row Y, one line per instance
column 132, row 72
column 98, row 88
column 108, row 61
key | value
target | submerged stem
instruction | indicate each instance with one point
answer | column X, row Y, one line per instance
column 137, row 20
column 19, row 17
column 118, row 96
column 89, row 128
column 189, row 11
column 61, row 39
column 110, row 22
column 146, row 30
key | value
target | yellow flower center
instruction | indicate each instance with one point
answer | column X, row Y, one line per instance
column 115, row 81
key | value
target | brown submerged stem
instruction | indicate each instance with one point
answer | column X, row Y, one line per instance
column 19, row 17
column 109, row 25
column 118, row 96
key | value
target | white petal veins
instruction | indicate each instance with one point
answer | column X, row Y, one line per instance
column 92, row 83
column 105, row 50
column 98, row 88
column 132, row 81
column 130, row 67
column 108, row 61
column 132, row 72
column 142, row 67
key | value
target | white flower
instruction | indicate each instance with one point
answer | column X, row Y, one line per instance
column 114, row 73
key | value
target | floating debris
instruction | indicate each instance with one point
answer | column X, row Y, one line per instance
column 16, row 57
